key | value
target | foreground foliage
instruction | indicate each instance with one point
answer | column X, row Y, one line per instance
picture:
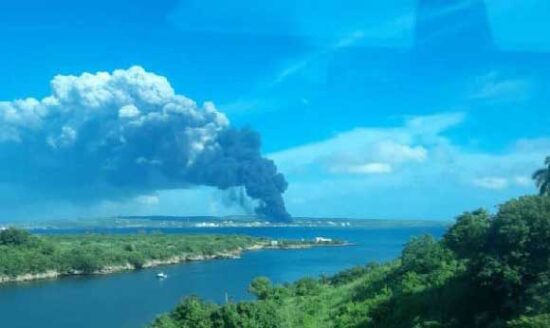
column 22, row 253
column 487, row 271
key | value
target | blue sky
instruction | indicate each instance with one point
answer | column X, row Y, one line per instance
column 365, row 117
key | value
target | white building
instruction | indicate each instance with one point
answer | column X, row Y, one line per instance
column 319, row 240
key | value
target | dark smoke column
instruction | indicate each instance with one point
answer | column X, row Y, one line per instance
column 234, row 159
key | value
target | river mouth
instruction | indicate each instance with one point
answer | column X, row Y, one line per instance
column 134, row 298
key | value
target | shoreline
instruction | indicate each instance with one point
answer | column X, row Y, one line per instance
column 228, row 254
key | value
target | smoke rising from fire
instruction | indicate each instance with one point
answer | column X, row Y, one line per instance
column 127, row 133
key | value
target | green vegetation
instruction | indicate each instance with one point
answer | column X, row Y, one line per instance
column 22, row 253
column 487, row 271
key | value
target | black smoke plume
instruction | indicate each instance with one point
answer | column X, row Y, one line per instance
column 235, row 160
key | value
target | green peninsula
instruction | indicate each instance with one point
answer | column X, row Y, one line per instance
column 29, row 257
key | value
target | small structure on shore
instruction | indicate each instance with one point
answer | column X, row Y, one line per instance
column 321, row 240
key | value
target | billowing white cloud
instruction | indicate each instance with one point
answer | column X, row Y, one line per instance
column 66, row 138
column 128, row 111
column 137, row 96
column 125, row 132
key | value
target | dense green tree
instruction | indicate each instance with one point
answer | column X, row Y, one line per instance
column 542, row 178
column 192, row 312
column 137, row 260
column 468, row 236
column 307, row 286
column 165, row 321
column 261, row 287
column 424, row 255
column 13, row 236
column 247, row 315
column 518, row 254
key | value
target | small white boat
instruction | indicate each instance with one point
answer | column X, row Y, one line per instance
column 162, row 275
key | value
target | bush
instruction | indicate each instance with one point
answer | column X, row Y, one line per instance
column 424, row 255
column 84, row 261
column 261, row 287
column 164, row 321
column 349, row 275
column 137, row 260
column 307, row 286
column 262, row 314
column 14, row 236
column 192, row 312
column 537, row 321
column 468, row 236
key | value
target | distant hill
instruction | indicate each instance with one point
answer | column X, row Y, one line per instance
column 165, row 221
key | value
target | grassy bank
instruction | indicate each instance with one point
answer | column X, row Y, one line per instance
column 27, row 257
column 487, row 271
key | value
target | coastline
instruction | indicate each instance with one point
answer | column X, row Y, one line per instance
column 227, row 254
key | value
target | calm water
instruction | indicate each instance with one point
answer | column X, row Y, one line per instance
column 132, row 299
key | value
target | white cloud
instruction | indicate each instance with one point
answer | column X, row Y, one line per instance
column 495, row 183
column 128, row 111
column 368, row 168
column 65, row 139
column 500, row 183
column 126, row 99
column 396, row 152
column 366, row 171
column 349, row 151
column 95, row 90
column 493, row 87
column 431, row 125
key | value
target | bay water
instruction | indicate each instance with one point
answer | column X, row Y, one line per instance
column 133, row 299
